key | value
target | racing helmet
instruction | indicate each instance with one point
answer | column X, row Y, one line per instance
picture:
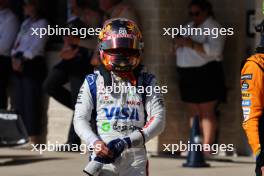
column 120, row 45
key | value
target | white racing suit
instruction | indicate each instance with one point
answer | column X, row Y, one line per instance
column 118, row 116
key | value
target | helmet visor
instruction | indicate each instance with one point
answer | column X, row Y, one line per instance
column 116, row 43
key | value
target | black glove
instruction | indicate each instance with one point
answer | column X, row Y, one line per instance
column 259, row 163
column 106, row 160
column 117, row 146
column 20, row 56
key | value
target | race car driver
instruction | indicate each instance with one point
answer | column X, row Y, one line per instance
column 125, row 121
column 252, row 88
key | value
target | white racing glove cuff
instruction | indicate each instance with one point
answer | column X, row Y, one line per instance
column 137, row 138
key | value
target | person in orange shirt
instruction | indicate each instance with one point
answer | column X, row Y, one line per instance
column 252, row 89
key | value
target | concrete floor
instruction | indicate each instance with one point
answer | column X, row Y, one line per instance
column 14, row 162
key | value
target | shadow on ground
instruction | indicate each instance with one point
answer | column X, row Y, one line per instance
column 15, row 160
column 224, row 160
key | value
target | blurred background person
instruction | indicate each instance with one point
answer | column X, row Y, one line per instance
column 115, row 9
column 9, row 26
column 30, row 69
column 88, row 8
column 75, row 63
column 199, row 62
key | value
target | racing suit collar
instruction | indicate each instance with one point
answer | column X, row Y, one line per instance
column 108, row 77
column 259, row 58
column 130, row 76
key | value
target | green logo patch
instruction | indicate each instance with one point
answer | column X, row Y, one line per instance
column 106, row 126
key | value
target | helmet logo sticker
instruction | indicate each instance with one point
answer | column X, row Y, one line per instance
column 122, row 31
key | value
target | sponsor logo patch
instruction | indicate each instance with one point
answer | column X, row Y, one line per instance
column 121, row 128
column 106, row 126
column 245, row 86
column 121, row 113
column 122, row 31
column 246, row 77
column 108, row 102
column 246, row 103
column 246, row 112
column 132, row 102
column 246, row 94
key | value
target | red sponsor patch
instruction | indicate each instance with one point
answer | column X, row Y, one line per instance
column 131, row 102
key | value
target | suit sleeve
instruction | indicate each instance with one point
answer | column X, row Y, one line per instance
column 214, row 46
column 155, row 124
column 82, row 115
column 8, row 35
column 155, row 114
column 252, row 86
column 37, row 44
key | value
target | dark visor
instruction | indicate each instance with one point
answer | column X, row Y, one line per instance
column 121, row 43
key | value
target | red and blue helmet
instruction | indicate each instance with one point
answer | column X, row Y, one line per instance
column 120, row 45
